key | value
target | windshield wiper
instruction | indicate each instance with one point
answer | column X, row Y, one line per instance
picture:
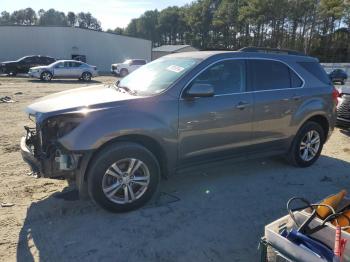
column 125, row 88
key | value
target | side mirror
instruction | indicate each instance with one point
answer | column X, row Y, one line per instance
column 200, row 90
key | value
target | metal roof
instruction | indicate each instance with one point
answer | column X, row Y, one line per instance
column 169, row 48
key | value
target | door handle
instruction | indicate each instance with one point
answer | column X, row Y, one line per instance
column 296, row 97
column 241, row 105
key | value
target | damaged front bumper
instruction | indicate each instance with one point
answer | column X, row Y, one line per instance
column 28, row 156
column 56, row 162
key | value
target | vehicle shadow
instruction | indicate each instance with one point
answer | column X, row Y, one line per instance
column 16, row 76
column 345, row 131
column 213, row 212
column 64, row 81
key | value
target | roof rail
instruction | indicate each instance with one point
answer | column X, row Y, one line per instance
column 271, row 51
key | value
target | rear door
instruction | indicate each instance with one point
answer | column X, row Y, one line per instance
column 76, row 70
column 219, row 124
column 275, row 92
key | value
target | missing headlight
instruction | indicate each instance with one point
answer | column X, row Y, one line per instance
column 62, row 125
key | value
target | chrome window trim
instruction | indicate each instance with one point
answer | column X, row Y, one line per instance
column 246, row 92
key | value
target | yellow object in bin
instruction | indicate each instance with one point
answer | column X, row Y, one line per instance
column 333, row 201
column 343, row 220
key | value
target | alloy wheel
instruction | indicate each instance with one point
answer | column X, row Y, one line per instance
column 309, row 145
column 86, row 77
column 46, row 76
column 126, row 181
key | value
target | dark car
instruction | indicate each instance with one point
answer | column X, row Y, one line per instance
column 23, row 64
column 338, row 75
column 117, row 141
column 343, row 108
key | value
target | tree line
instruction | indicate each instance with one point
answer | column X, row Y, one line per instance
column 317, row 27
column 50, row 17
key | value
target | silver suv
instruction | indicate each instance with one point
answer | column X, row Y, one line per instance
column 118, row 141
column 64, row 69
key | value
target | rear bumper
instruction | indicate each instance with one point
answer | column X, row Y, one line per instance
column 28, row 156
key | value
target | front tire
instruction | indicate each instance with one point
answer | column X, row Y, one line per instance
column 46, row 76
column 123, row 72
column 307, row 145
column 123, row 177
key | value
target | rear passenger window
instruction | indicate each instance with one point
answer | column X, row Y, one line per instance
column 226, row 77
column 296, row 81
column 269, row 75
column 76, row 64
column 316, row 70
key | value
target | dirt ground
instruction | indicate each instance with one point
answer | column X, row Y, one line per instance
column 214, row 212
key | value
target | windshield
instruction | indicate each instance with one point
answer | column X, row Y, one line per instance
column 157, row 76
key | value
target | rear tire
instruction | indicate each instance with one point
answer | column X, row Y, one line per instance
column 46, row 76
column 307, row 145
column 114, row 185
column 86, row 76
column 12, row 73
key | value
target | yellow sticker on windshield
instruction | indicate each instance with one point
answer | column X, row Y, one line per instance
column 175, row 68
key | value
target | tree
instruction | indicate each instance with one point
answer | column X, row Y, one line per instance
column 5, row 18
column 72, row 19
column 86, row 20
column 23, row 17
column 52, row 17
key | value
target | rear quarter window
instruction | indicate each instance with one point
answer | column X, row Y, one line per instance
column 316, row 70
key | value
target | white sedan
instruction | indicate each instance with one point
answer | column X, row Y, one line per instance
column 64, row 69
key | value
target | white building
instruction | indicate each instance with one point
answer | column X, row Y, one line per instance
column 99, row 48
column 170, row 49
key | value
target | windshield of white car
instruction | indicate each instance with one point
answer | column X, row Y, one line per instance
column 157, row 76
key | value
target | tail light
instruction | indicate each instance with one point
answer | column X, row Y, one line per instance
column 335, row 95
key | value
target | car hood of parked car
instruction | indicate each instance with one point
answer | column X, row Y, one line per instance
column 7, row 62
column 39, row 67
column 87, row 98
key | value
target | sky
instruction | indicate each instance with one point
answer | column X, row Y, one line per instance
column 111, row 13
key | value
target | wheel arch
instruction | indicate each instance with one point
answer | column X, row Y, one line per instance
column 321, row 120
column 149, row 143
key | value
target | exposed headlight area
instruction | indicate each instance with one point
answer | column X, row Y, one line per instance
column 60, row 126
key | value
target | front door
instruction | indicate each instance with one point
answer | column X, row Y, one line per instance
column 218, row 124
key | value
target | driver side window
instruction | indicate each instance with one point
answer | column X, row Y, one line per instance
column 59, row 65
column 227, row 77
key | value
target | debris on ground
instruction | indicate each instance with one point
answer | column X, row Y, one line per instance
column 7, row 204
column 6, row 99
column 33, row 174
column 19, row 93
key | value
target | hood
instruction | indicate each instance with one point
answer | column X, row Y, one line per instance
column 8, row 62
column 77, row 99
column 343, row 89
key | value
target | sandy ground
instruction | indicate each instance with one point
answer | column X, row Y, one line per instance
column 214, row 212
